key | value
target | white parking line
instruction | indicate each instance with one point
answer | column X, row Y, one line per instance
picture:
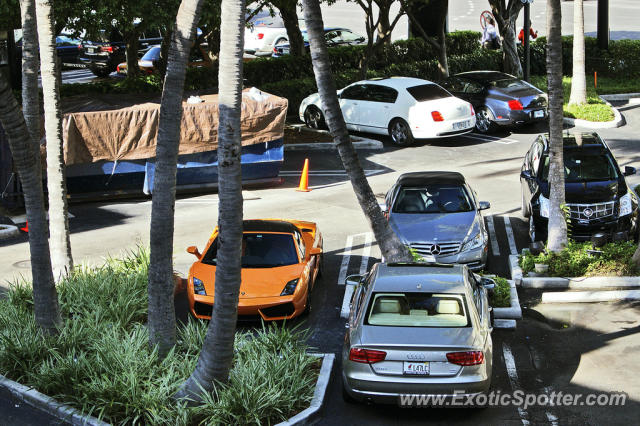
column 366, row 252
column 495, row 248
column 336, row 173
column 510, row 364
column 510, row 238
column 346, row 255
column 487, row 138
column 20, row 219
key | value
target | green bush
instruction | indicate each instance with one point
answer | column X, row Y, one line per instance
column 101, row 362
column 501, row 295
column 576, row 261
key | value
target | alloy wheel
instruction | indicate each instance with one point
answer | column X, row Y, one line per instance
column 400, row 133
column 483, row 123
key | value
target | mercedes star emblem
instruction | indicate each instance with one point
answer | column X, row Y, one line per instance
column 435, row 249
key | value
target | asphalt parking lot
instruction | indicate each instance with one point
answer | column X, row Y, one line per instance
column 568, row 348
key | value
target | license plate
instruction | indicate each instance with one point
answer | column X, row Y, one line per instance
column 461, row 125
column 91, row 49
column 538, row 114
column 285, row 51
column 416, row 368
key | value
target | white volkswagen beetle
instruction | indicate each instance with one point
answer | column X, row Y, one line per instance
column 404, row 108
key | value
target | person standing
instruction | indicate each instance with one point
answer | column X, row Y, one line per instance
column 533, row 34
column 490, row 38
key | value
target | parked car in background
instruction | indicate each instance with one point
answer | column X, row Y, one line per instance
column 198, row 57
column 438, row 215
column 417, row 329
column 333, row 36
column 402, row 107
column 499, row 99
column 596, row 192
column 263, row 33
column 68, row 48
column 281, row 262
column 103, row 55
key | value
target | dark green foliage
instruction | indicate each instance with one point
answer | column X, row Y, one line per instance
column 501, row 295
column 575, row 261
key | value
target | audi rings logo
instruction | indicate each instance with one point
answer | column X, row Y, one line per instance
column 435, row 249
column 416, row 357
column 587, row 212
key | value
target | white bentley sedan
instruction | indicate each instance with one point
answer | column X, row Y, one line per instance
column 404, row 108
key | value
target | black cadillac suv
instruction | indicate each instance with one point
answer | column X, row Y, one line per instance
column 596, row 193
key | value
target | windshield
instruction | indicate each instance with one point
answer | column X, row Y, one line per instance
column 510, row 83
column 152, row 54
column 260, row 251
column 581, row 166
column 433, row 199
column 417, row 310
column 428, row 92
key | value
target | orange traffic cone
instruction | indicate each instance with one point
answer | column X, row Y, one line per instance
column 26, row 227
column 304, row 178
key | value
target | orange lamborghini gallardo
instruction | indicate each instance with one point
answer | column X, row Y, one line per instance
column 281, row 260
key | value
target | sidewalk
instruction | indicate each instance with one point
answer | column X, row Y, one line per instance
column 13, row 412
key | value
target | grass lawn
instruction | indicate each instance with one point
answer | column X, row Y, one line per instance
column 595, row 109
column 101, row 362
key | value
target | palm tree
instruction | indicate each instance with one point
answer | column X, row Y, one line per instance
column 61, row 259
column 30, row 94
column 162, row 317
column 27, row 161
column 557, row 238
column 216, row 355
column 578, row 80
column 391, row 247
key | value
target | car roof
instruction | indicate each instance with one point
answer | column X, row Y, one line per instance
column 590, row 140
column 397, row 82
column 416, row 277
column 259, row 225
column 484, row 76
column 423, row 178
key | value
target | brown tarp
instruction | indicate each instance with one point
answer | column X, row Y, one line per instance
column 113, row 128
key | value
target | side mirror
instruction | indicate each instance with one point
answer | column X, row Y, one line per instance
column 194, row 251
column 526, row 174
column 484, row 205
column 314, row 251
column 353, row 279
column 487, row 283
column 628, row 170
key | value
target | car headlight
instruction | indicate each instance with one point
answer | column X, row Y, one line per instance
column 625, row 205
column 474, row 242
column 544, row 206
column 198, row 286
column 289, row 288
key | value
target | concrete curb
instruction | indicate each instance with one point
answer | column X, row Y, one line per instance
column 616, row 122
column 514, row 312
column 620, row 97
column 46, row 403
column 508, row 324
column 362, row 143
column 590, row 296
column 580, row 283
column 312, row 414
column 515, row 270
column 8, row 231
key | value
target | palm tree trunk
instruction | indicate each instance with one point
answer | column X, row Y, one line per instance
column 578, row 80
column 390, row 245
column 557, row 238
column 61, row 259
column 30, row 93
column 216, row 356
column 162, row 316
column 27, row 161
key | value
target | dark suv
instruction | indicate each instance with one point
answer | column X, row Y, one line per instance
column 596, row 192
column 103, row 55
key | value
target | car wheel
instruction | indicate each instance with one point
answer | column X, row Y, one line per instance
column 314, row 118
column 400, row 132
column 524, row 207
column 100, row 72
column 484, row 124
column 345, row 395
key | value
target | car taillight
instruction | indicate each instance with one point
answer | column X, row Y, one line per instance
column 366, row 356
column 260, row 36
column 515, row 105
column 80, row 47
column 436, row 116
column 472, row 111
column 466, row 358
column 109, row 49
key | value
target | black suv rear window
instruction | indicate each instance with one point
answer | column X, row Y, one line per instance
column 428, row 92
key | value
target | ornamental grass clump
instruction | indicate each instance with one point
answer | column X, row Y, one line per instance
column 101, row 362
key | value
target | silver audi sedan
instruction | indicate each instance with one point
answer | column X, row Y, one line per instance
column 437, row 214
column 417, row 329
